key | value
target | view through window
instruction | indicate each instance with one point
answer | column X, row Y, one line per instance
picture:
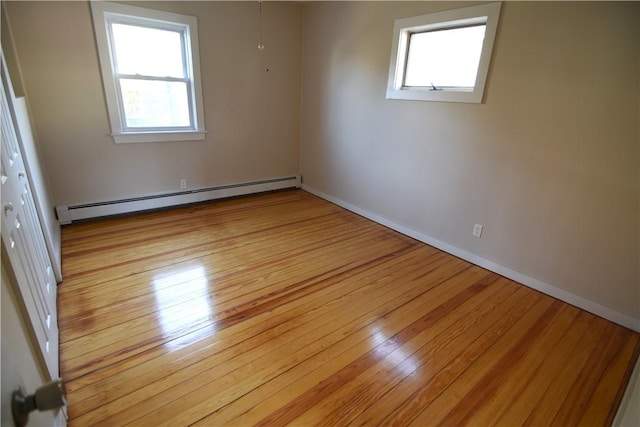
column 444, row 58
column 150, row 71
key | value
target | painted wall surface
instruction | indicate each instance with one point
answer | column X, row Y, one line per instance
column 20, row 365
column 549, row 163
column 251, row 114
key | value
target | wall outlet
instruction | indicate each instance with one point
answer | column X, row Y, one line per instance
column 477, row 230
column 183, row 183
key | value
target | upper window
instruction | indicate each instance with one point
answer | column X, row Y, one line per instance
column 443, row 56
column 150, row 71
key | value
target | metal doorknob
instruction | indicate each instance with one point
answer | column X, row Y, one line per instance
column 8, row 207
column 49, row 396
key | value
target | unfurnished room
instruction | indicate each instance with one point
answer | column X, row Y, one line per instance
column 234, row 213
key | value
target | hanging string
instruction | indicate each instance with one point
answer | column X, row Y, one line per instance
column 260, row 44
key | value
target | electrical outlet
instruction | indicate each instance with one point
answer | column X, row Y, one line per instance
column 183, row 183
column 477, row 230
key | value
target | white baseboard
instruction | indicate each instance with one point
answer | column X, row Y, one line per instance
column 68, row 214
column 554, row 291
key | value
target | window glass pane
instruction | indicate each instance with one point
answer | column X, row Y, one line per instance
column 153, row 103
column 148, row 51
column 444, row 58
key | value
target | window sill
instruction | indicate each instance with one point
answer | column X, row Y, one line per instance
column 471, row 96
column 133, row 137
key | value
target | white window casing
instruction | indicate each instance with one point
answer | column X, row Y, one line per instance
column 105, row 16
column 486, row 15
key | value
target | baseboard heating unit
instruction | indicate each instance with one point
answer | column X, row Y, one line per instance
column 68, row 214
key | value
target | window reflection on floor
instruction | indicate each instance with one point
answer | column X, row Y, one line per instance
column 398, row 359
column 183, row 305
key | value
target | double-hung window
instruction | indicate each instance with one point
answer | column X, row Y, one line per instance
column 443, row 56
column 150, row 71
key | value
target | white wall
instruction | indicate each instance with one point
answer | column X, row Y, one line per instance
column 549, row 163
column 251, row 115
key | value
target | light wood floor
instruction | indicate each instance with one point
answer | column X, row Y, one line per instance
column 283, row 308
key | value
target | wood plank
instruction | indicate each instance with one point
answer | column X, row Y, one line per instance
column 282, row 308
column 365, row 389
column 496, row 398
column 239, row 359
column 448, row 407
column 112, row 345
column 464, row 344
column 553, row 399
column 522, row 403
column 257, row 377
column 223, row 288
column 238, row 336
column 607, row 388
column 576, row 402
column 284, row 388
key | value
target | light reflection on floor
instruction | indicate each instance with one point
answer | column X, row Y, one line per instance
column 397, row 359
column 194, row 311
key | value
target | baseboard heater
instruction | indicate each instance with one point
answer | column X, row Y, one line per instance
column 68, row 214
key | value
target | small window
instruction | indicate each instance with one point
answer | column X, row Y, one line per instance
column 150, row 71
column 443, row 56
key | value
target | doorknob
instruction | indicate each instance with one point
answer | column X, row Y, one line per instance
column 8, row 207
column 49, row 396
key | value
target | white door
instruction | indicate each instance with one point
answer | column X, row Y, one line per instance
column 24, row 243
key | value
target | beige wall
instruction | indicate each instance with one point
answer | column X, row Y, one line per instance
column 251, row 115
column 549, row 163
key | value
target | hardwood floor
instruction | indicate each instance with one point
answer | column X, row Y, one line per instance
column 285, row 309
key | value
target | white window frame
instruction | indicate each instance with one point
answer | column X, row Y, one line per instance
column 403, row 28
column 105, row 12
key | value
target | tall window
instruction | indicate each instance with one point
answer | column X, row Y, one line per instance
column 443, row 56
column 150, row 71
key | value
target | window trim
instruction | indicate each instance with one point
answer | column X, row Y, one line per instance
column 487, row 14
column 103, row 11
